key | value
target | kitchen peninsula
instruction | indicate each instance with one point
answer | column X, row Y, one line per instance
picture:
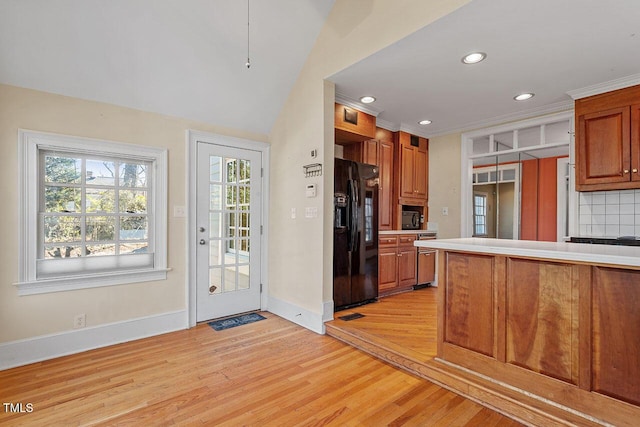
column 557, row 321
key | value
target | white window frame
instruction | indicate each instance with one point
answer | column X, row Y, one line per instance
column 467, row 157
column 31, row 144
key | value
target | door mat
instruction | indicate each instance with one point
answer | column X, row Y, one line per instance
column 351, row 316
column 232, row 322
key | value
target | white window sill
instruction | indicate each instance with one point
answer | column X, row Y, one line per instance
column 72, row 283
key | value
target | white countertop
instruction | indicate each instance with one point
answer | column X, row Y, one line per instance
column 582, row 252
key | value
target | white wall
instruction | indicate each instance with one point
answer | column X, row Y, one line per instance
column 300, row 275
column 444, row 184
column 28, row 317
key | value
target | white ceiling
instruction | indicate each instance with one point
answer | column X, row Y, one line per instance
column 184, row 58
column 548, row 47
column 187, row 58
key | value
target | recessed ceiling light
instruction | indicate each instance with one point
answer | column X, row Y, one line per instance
column 425, row 122
column 474, row 57
column 367, row 99
column 523, row 96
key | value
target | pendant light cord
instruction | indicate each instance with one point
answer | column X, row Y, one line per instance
column 248, row 64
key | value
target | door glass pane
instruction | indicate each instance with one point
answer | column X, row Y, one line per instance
column 215, row 254
column 215, row 224
column 245, row 171
column 229, row 278
column 215, row 280
column 231, row 170
column 215, row 196
column 230, row 222
column 215, row 169
column 243, row 277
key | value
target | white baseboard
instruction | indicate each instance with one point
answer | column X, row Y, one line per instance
column 293, row 313
column 327, row 311
column 23, row 352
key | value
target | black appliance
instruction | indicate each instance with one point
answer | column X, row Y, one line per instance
column 619, row 241
column 410, row 220
column 355, row 234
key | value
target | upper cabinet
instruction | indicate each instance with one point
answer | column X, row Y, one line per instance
column 379, row 152
column 352, row 125
column 412, row 170
column 608, row 141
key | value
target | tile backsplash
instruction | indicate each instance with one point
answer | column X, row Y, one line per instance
column 609, row 213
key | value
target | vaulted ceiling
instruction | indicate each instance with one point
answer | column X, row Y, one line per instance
column 187, row 58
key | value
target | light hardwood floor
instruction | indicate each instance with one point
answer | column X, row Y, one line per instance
column 406, row 321
column 271, row 372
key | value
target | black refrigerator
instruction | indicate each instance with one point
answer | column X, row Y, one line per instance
column 355, row 234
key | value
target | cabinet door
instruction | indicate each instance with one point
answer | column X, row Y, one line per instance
column 635, row 142
column 603, row 148
column 407, row 171
column 388, row 269
column 386, row 185
column 407, row 268
column 616, row 327
column 370, row 152
column 421, row 165
column 426, row 267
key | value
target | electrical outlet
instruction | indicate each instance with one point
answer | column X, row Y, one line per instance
column 79, row 321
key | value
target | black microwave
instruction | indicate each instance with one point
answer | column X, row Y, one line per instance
column 410, row 220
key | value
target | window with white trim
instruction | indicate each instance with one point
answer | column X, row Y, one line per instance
column 93, row 213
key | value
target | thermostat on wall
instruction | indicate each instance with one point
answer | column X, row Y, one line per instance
column 311, row 190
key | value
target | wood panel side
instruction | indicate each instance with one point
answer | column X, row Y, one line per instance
column 441, row 300
column 529, row 200
column 469, row 286
column 500, row 304
column 541, row 307
column 547, row 199
column 584, row 321
column 616, row 328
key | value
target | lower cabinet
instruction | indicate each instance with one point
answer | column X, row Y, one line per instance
column 397, row 263
column 566, row 332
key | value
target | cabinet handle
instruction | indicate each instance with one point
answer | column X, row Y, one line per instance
column 626, row 171
column 634, row 170
column 399, row 254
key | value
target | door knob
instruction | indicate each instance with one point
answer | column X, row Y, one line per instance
column 202, row 241
column 202, row 229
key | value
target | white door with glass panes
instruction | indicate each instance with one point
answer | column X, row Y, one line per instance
column 228, row 220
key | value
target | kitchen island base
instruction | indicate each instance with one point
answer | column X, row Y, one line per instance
column 566, row 333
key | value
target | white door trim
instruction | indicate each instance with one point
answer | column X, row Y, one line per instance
column 192, row 139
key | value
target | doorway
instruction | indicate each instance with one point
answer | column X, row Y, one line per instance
column 226, row 216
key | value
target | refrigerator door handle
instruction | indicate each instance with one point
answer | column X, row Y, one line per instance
column 355, row 206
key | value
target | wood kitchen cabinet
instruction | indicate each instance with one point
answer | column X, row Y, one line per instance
column 426, row 266
column 353, row 126
column 412, row 161
column 608, row 140
column 397, row 259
